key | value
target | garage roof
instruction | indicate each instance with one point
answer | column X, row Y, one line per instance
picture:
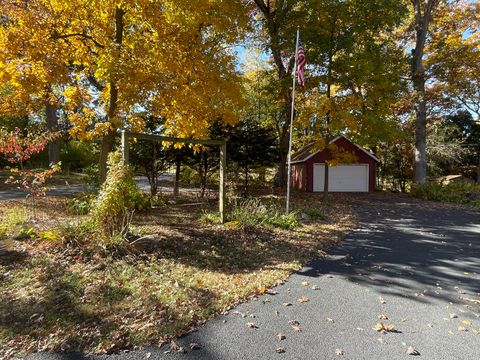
column 310, row 150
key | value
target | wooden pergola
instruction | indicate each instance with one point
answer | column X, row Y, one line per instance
column 222, row 144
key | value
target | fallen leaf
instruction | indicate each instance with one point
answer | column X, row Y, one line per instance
column 200, row 282
column 315, row 287
column 147, row 355
column 475, row 301
column 462, row 328
column 453, row 316
column 303, row 299
column 331, row 320
column 359, row 329
column 295, row 325
column 412, row 351
column 384, row 328
column 251, row 325
column 277, row 313
column 240, row 314
column 194, row 346
column 383, row 317
column 382, row 300
column 174, row 346
column 430, row 326
column 339, row 352
column 280, row 350
column 305, row 283
column 262, row 290
column 281, row 337
column 287, row 304
column 466, row 322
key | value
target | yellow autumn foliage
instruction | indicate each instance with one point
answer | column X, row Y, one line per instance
column 174, row 60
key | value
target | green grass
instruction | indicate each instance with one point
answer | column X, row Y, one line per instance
column 13, row 218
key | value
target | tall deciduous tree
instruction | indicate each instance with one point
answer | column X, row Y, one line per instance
column 453, row 60
column 423, row 13
column 355, row 72
column 277, row 21
column 126, row 58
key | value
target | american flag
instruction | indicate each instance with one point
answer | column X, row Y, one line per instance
column 302, row 61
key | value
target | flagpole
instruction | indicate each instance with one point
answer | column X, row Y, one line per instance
column 292, row 115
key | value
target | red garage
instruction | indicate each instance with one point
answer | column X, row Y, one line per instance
column 308, row 169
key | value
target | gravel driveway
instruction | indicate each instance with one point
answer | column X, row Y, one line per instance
column 416, row 263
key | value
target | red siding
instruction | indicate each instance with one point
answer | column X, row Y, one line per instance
column 346, row 145
column 299, row 178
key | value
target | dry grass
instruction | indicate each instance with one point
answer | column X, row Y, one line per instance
column 182, row 273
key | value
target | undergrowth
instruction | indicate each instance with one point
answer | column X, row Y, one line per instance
column 458, row 193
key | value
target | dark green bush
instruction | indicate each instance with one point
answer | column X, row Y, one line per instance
column 78, row 155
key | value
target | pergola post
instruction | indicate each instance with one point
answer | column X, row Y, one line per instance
column 221, row 193
column 222, row 144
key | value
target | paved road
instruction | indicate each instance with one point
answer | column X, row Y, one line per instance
column 66, row 190
column 420, row 259
column 14, row 194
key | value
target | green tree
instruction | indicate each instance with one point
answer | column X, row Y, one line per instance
column 355, row 75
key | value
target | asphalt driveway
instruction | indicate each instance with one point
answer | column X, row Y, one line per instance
column 416, row 263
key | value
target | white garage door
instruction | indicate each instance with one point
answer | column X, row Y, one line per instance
column 341, row 178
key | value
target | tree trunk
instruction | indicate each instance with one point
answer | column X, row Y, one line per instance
column 327, row 130
column 325, row 184
column 246, row 179
column 105, row 148
column 272, row 14
column 52, row 126
column 478, row 168
column 154, row 181
column 109, row 139
column 423, row 16
column 282, row 166
column 176, row 187
column 421, row 135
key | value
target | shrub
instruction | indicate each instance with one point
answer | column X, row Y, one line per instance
column 189, row 176
column 157, row 200
column 210, row 218
column 3, row 231
column 119, row 196
column 78, row 233
column 453, row 192
column 93, row 175
column 314, row 214
column 80, row 204
column 284, row 221
column 77, row 155
column 254, row 213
